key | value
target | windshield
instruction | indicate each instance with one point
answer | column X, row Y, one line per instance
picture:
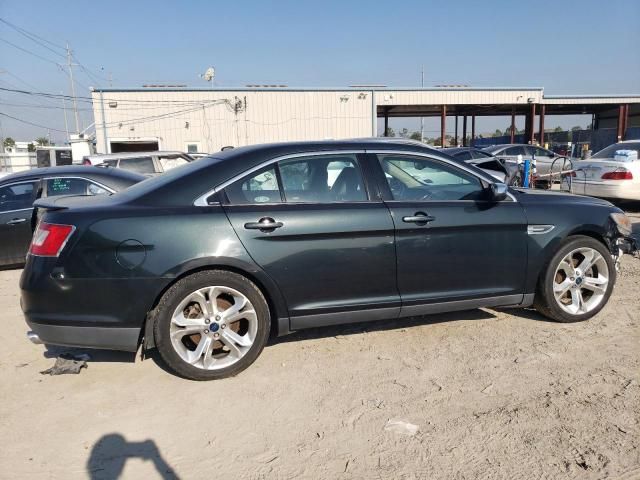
column 610, row 151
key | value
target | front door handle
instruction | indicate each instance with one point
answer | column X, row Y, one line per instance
column 16, row 221
column 419, row 218
column 265, row 224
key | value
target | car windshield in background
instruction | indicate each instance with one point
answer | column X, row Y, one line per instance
column 610, row 151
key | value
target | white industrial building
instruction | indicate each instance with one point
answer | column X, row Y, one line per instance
column 206, row 120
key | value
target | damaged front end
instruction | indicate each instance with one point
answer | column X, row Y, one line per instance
column 620, row 236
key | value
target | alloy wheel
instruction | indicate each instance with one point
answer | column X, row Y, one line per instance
column 213, row 327
column 580, row 281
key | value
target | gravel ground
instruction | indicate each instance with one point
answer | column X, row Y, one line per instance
column 493, row 394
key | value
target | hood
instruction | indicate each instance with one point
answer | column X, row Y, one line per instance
column 551, row 197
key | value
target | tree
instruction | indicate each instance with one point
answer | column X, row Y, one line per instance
column 416, row 136
column 558, row 129
column 576, row 128
column 497, row 133
column 390, row 132
column 31, row 147
column 42, row 141
column 9, row 142
column 404, row 132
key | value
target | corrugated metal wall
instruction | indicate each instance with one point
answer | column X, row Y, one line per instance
column 213, row 119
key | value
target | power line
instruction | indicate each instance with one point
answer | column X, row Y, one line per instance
column 31, row 123
column 28, row 51
column 30, row 34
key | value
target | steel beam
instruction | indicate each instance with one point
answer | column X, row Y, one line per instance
column 542, row 110
column 464, row 131
column 513, row 125
column 620, row 122
column 473, row 129
column 443, row 125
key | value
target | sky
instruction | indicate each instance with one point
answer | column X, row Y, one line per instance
column 566, row 47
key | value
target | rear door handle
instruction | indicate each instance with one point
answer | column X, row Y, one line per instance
column 419, row 218
column 265, row 224
column 16, row 221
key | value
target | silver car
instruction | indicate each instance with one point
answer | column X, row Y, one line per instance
column 513, row 153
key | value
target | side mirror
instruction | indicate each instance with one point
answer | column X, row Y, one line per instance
column 499, row 191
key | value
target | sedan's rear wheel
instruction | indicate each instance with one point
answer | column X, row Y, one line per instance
column 211, row 325
column 577, row 282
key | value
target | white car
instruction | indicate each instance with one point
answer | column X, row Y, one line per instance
column 146, row 163
column 613, row 172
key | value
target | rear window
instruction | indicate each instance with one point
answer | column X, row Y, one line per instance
column 610, row 151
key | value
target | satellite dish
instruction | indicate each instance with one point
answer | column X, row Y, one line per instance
column 209, row 74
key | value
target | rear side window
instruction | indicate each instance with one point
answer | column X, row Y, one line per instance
column 261, row 187
column 322, row 179
column 73, row 186
column 466, row 155
column 172, row 161
column 309, row 179
column 18, row 196
column 139, row 165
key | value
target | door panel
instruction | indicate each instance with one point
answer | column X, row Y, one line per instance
column 15, row 221
column 331, row 250
column 458, row 246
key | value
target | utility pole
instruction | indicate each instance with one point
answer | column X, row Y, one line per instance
column 66, row 124
column 73, row 89
column 422, row 118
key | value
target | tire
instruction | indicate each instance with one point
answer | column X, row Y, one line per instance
column 182, row 328
column 591, row 297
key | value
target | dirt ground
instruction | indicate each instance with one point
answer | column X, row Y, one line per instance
column 494, row 395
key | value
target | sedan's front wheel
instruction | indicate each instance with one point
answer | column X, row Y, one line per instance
column 577, row 282
column 211, row 324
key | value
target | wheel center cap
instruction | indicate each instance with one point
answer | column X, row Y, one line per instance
column 214, row 327
column 578, row 280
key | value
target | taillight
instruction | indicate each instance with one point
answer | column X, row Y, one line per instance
column 49, row 239
column 618, row 175
column 86, row 161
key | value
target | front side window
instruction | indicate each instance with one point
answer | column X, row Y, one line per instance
column 142, row 165
column 18, row 196
column 73, row 186
column 309, row 179
column 540, row 152
column 424, row 179
column 513, row 151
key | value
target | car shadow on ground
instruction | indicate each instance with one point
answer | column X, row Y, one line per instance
column 102, row 356
column 111, row 452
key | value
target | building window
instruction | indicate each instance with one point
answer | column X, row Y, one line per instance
column 192, row 148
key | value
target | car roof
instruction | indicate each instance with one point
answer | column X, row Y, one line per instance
column 170, row 187
column 85, row 171
column 454, row 150
column 110, row 156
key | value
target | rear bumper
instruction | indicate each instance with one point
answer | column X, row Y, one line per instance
column 109, row 338
column 628, row 191
column 105, row 313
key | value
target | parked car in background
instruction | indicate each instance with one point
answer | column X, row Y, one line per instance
column 18, row 191
column 503, row 171
column 512, row 153
column 146, row 163
column 613, row 172
column 201, row 262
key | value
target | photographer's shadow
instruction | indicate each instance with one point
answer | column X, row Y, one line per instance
column 111, row 452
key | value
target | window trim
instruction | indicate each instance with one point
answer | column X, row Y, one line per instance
column 201, row 201
column 483, row 177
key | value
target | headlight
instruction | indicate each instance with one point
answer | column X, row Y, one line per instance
column 623, row 223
